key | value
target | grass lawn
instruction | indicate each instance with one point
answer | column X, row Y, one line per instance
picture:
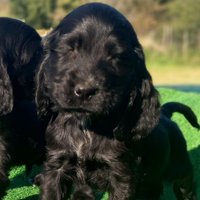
column 21, row 189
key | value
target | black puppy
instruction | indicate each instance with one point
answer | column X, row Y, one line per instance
column 93, row 82
column 164, row 156
column 22, row 139
column 168, row 141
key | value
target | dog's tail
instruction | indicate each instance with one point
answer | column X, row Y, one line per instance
column 169, row 108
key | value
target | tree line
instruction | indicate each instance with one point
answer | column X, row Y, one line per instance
column 145, row 15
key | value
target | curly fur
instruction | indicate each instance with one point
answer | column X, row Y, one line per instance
column 22, row 137
column 94, row 84
column 106, row 132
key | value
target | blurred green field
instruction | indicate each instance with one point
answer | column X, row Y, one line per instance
column 172, row 68
column 20, row 188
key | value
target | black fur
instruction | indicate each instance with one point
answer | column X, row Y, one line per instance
column 22, row 139
column 93, row 82
column 106, row 132
column 164, row 156
column 169, row 108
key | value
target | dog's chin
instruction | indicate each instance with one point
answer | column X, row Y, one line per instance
column 78, row 111
column 74, row 111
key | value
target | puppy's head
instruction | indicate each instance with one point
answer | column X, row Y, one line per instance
column 20, row 51
column 93, row 65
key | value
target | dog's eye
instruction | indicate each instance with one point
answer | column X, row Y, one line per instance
column 74, row 43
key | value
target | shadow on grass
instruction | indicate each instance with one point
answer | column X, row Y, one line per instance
column 21, row 180
column 18, row 181
column 36, row 197
column 33, row 197
column 183, row 88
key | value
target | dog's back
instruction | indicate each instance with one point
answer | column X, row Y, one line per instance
column 165, row 154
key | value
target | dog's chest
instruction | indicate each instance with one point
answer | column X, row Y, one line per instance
column 84, row 142
column 83, row 145
column 94, row 154
column 89, row 145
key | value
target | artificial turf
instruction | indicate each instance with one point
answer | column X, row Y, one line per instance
column 21, row 189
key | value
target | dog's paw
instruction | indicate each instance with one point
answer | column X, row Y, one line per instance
column 34, row 180
column 31, row 181
column 82, row 196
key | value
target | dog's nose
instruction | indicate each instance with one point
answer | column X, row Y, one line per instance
column 84, row 91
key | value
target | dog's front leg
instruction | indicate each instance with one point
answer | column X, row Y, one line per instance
column 55, row 183
column 5, row 158
column 4, row 180
column 122, row 191
column 123, row 186
column 83, row 192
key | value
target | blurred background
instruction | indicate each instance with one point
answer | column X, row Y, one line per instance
column 169, row 31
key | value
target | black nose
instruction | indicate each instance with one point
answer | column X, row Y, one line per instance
column 84, row 91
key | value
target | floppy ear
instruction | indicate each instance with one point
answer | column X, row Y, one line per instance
column 6, row 92
column 43, row 102
column 42, row 99
column 143, row 110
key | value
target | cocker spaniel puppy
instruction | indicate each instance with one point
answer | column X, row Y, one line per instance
column 93, row 83
column 22, row 137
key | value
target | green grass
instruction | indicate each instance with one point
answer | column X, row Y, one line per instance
column 20, row 188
